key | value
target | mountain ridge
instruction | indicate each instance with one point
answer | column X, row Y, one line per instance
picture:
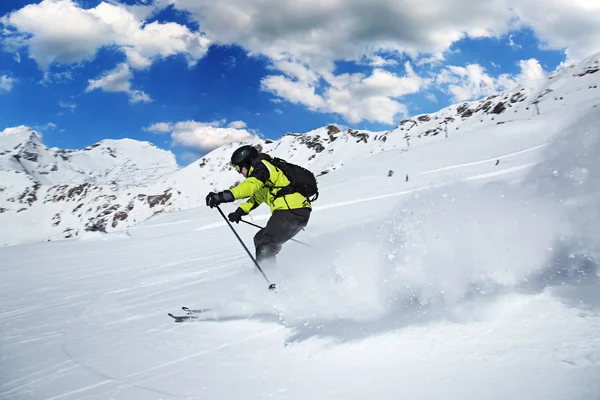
column 53, row 193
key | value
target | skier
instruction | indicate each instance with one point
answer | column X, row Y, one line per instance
column 266, row 182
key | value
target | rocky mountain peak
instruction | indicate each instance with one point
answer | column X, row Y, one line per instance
column 110, row 185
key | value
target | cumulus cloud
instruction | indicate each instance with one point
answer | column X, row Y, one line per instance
column 354, row 96
column 6, row 83
column 375, row 60
column 237, row 125
column 136, row 59
column 531, row 70
column 15, row 130
column 203, row 136
column 303, row 41
column 296, row 70
column 60, row 31
column 296, row 92
column 472, row 82
column 316, row 33
column 570, row 25
column 118, row 80
column 160, row 127
column 303, row 44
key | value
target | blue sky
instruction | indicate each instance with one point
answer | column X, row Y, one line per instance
column 190, row 75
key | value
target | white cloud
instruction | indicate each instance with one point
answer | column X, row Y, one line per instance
column 296, row 34
column 60, row 31
column 378, row 61
column 512, row 43
column 16, row 130
column 138, row 96
column 159, row 127
column 6, row 83
column 572, row 25
column 303, row 43
column 46, row 127
column 296, row 92
column 55, row 77
column 305, row 30
column 531, row 70
column 431, row 97
column 118, row 80
column 431, row 60
column 354, row 96
column 297, row 71
column 136, row 59
column 472, row 82
column 203, row 136
column 69, row 106
column 237, row 125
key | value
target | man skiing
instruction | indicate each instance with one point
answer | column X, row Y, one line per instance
column 265, row 182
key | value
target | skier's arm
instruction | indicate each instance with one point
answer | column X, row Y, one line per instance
column 252, row 184
column 252, row 203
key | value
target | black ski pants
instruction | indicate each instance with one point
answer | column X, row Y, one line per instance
column 281, row 227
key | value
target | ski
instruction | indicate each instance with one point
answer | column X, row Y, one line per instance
column 194, row 311
column 181, row 318
column 190, row 314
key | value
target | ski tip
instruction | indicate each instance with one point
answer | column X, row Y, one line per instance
column 181, row 318
column 195, row 311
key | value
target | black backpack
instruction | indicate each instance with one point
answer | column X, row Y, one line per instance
column 301, row 180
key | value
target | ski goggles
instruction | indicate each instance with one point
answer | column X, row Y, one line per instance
column 237, row 167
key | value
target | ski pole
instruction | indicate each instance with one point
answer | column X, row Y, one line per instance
column 271, row 285
column 293, row 240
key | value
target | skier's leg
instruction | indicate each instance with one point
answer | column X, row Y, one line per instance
column 281, row 227
column 266, row 244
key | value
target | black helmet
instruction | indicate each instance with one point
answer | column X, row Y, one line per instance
column 243, row 156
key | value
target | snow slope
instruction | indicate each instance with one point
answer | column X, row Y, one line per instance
column 49, row 194
column 474, row 279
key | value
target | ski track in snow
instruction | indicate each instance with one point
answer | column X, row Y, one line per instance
column 143, row 375
column 487, row 160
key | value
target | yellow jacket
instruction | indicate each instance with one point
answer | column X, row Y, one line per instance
column 262, row 184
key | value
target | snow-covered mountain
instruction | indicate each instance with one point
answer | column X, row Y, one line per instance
column 49, row 193
column 478, row 278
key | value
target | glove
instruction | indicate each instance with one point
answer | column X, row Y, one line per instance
column 237, row 215
column 214, row 199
